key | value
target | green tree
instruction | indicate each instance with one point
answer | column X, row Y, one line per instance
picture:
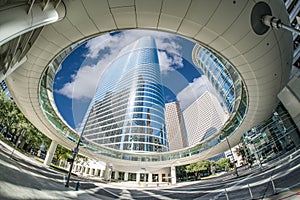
column 34, row 138
column 223, row 164
column 10, row 116
column 199, row 167
column 241, row 151
column 213, row 167
column 61, row 153
column 13, row 123
column 181, row 172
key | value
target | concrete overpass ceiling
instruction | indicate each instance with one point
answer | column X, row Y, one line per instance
column 263, row 61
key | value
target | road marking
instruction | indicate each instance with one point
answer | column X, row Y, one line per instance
column 157, row 195
column 125, row 194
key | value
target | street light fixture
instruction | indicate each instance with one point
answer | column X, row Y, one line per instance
column 234, row 161
column 262, row 20
column 75, row 152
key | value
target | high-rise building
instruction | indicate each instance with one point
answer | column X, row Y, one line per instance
column 127, row 112
column 293, row 8
column 5, row 89
column 175, row 127
column 203, row 118
column 219, row 73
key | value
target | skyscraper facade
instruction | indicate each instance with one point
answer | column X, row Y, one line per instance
column 5, row 89
column 220, row 74
column 127, row 112
column 203, row 118
column 175, row 127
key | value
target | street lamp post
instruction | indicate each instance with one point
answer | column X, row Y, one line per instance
column 234, row 164
column 75, row 152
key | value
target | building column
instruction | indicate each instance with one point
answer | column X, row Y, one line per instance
column 126, row 176
column 101, row 173
column 138, row 177
column 173, row 174
column 86, row 170
column 150, row 177
column 50, row 153
column 160, row 177
column 91, row 172
column 107, row 172
column 74, row 168
column 81, row 170
column 116, row 175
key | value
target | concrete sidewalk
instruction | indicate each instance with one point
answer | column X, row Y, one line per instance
column 288, row 195
column 15, row 153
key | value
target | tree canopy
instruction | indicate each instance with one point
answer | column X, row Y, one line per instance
column 207, row 167
column 15, row 127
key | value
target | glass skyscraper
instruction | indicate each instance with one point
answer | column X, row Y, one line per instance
column 218, row 75
column 127, row 112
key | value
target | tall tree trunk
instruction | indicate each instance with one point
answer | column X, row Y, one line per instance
column 22, row 144
column 20, row 138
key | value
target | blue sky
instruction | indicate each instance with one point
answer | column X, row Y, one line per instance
column 77, row 79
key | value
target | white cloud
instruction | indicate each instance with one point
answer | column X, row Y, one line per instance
column 96, row 44
column 165, row 62
column 84, row 83
column 193, row 91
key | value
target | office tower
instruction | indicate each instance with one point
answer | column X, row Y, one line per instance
column 220, row 74
column 203, row 118
column 127, row 112
column 293, row 8
column 5, row 90
column 175, row 127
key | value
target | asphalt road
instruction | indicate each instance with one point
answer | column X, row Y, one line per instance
column 22, row 179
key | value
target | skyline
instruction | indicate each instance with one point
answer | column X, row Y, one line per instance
column 78, row 77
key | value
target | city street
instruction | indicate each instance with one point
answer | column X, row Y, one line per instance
column 23, row 178
column 285, row 175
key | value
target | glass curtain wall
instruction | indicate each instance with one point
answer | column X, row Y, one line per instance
column 276, row 136
column 127, row 112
